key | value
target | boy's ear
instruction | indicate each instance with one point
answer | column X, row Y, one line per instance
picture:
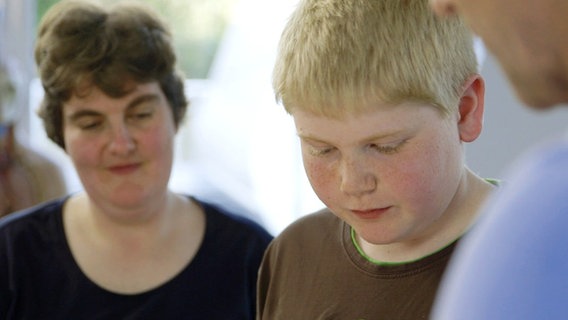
column 471, row 107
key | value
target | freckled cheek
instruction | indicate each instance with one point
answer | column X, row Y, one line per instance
column 322, row 178
column 417, row 181
column 417, row 188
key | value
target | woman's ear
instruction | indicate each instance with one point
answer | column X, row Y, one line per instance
column 471, row 107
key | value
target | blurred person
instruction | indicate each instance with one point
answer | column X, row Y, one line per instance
column 27, row 177
column 513, row 264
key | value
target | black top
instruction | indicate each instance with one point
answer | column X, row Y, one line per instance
column 39, row 278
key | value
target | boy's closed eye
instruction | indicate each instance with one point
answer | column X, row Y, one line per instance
column 320, row 151
column 388, row 148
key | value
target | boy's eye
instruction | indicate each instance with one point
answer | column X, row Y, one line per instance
column 387, row 148
column 319, row 151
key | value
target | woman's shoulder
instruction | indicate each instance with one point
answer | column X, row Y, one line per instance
column 34, row 229
column 40, row 215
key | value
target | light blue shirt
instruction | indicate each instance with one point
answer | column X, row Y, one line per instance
column 514, row 262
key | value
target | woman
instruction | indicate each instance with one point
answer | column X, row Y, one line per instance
column 127, row 247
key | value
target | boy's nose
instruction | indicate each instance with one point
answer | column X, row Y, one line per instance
column 356, row 179
column 443, row 7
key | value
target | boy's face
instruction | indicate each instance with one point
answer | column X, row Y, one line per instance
column 527, row 37
column 390, row 173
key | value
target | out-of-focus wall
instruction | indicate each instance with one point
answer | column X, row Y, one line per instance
column 510, row 128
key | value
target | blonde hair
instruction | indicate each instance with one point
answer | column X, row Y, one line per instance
column 339, row 54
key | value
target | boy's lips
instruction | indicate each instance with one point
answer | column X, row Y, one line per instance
column 370, row 213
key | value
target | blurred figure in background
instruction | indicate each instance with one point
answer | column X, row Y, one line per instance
column 26, row 177
column 513, row 263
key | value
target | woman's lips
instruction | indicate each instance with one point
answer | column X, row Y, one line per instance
column 124, row 168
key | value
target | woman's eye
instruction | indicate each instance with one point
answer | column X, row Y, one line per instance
column 141, row 115
column 89, row 124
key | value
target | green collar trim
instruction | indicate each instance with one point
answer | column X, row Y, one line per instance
column 362, row 253
column 383, row 263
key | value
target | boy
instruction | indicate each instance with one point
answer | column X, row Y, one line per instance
column 384, row 96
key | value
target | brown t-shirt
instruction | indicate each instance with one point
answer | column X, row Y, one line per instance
column 312, row 270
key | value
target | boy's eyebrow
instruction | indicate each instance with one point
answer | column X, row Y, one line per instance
column 310, row 138
column 137, row 101
column 380, row 136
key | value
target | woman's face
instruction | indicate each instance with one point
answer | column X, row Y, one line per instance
column 122, row 148
column 390, row 173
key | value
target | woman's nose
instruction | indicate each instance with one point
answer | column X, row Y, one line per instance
column 122, row 142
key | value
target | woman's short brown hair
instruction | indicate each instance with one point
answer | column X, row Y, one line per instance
column 83, row 42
